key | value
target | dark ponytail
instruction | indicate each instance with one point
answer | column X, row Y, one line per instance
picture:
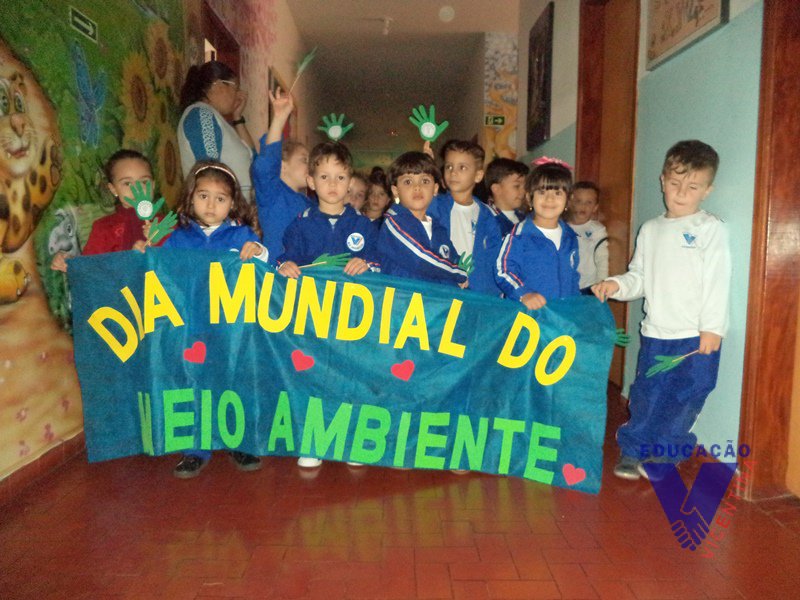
column 200, row 78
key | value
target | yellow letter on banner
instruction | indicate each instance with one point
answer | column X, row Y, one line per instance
column 515, row 362
column 545, row 378
column 308, row 304
column 356, row 332
column 446, row 344
column 243, row 293
column 153, row 290
column 123, row 351
column 414, row 324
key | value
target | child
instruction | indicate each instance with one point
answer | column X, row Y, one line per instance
column 213, row 214
column 279, row 175
column 357, row 193
column 505, row 179
column 682, row 268
column 121, row 229
column 332, row 227
column 469, row 222
column 539, row 258
column 411, row 243
column 592, row 235
column 377, row 197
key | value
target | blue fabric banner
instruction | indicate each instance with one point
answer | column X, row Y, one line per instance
column 186, row 349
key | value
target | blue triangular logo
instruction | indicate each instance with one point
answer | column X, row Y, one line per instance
column 689, row 238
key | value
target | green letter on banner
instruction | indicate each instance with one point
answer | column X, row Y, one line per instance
column 173, row 420
column 314, row 430
column 364, row 433
column 426, row 440
column 537, row 452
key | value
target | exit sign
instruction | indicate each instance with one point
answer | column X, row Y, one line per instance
column 494, row 120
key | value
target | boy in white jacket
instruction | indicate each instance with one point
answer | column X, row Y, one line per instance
column 682, row 268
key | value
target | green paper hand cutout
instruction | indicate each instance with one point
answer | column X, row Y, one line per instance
column 666, row 363
column 334, row 127
column 330, row 260
column 160, row 229
column 465, row 263
column 622, row 339
column 142, row 201
column 428, row 129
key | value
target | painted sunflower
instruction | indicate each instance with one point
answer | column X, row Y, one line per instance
column 159, row 54
column 168, row 169
column 138, row 98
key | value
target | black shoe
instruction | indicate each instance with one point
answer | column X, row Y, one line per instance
column 246, row 462
column 190, row 466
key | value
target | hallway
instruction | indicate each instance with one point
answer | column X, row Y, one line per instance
column 128, row 529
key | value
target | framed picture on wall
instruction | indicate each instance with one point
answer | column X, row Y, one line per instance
column 275, row 82
column 674, row 25
column 540, row 75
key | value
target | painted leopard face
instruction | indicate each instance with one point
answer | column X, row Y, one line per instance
column 18, row 134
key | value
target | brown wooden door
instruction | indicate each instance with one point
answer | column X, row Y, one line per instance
column 217, row 34
column 606, row 127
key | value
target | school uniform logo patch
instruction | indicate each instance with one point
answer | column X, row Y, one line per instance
column 588, row 234
column 355, row 242
column 690, row 240
column 444, row 251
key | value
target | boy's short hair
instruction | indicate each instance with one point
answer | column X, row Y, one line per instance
column 413, row 163
column 500, row 168
column 587, row 185
column 691, row 155
column 330, row 150
column 465, row 146
column 288, row 148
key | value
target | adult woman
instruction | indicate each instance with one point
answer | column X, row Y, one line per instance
column 209, row 95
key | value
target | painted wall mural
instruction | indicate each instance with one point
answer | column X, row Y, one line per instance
column 500, row 83
column 78, row 81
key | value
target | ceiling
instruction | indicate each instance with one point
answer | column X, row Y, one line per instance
column 375, row 77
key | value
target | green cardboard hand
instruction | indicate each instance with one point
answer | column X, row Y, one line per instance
column 334, row 127
column 142, row 201
column 428, row 129
column 465, row 262
column 622, row 339
column 330, row 260
column 160, row 229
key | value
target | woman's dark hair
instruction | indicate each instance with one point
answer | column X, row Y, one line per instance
column 123, row 154
column 199, row 79
column 241, row 211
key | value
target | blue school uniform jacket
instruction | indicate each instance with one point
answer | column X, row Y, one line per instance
column 529, row 262
column 405, row 250
column 228, row 236
column 313, row 233
column 487, row 242
column 504, row 224
column 278, row 204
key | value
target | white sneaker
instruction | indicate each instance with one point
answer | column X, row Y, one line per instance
column 308, row 462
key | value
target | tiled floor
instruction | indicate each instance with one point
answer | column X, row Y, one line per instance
column 128, row 529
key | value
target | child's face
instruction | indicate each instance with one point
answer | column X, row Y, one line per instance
column 461, row 172
column 294, row 171
column 548, row 206
column 416, row 192
column 377, row 199
column 331, row 180
column 683, row 192
column 582, row 206
column 125, row 173
column 211, row 201
column 357, row 194
column 509, row 193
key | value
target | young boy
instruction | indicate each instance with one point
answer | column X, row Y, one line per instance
column 505, row 179
column 411, row 243
column 469, row 222
column 682, row 268
column 592, row 234
column 279, row 176
column 332, row 227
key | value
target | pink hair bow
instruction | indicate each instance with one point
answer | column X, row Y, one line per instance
column 543, row 160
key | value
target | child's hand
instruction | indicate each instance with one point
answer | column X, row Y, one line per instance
column 605, row 289
column 59, row 262
column 356, row 266
column 282, row 104
column 533, row 300
column 464, row 285
column 290, row 269
column 250, row 249
column 709, row 342
column 140, row 245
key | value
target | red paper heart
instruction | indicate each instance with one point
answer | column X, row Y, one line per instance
column 403, row 370
column 301, row 362
column 195, row 354
column 572, row 474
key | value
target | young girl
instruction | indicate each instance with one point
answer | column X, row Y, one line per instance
column 378, row 195
column 213, row 214
column 121, row 229
column 357, row 192
column 539, row 258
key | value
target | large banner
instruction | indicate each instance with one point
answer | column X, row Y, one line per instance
column 187, row 349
